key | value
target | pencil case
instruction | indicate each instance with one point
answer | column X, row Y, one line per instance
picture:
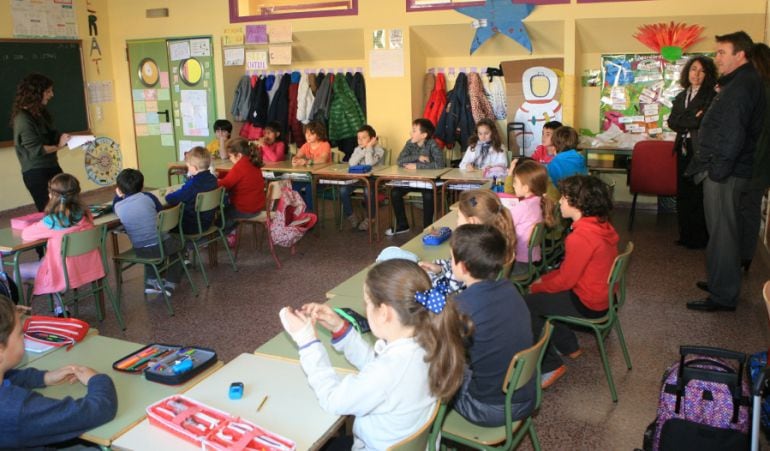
column 436, row 236
column 167, row 364
column 55, row 331
column 360, row 169
column 212, row 429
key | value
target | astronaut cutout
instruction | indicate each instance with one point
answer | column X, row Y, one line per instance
column 539, row 84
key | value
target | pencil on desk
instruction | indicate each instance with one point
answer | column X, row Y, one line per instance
column 264, row 400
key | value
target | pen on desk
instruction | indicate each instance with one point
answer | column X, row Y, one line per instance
column 264, row 400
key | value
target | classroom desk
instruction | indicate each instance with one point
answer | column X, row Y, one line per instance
column 339, row 173
column 430, row 253
column 351, row 287
column 462, row 179
column 291, row 408
column 621, row 156
column 30, row 357
column 283, row 347
column 391, row 173
column 134, row 392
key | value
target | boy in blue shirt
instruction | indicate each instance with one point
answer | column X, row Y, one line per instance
column 568, row 161
column 138, row 212
column 201, row 180
column 502, row 327
column 29, row 419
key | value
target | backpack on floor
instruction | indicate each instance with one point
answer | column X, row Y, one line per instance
column 757, row 364
column 290, row 221
column 703, row 404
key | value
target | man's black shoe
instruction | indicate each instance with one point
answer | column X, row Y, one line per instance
column 702, row 285
column 707, row 305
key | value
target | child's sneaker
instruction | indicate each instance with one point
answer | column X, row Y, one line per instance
column 353, row 220
column 363, row 226
column 232, row 240
column 169, row 287
column 396, row 231
column 151, row 286
column 549, row 378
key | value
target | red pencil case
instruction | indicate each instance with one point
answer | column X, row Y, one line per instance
column 55, row 331
column 212, row 429
column 167, row 364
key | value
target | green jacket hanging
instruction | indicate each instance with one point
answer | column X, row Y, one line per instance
column 345, row 115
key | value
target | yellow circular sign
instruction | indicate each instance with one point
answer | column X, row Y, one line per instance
column 148, row 72
column 191, row 71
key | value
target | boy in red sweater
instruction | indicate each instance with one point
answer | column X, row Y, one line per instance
column 579, row 286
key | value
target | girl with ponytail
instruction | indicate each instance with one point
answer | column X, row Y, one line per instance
column 244, row 183
column 65, row 213
column 419, row 356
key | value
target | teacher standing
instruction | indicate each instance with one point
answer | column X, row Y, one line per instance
column 35, row 138
column 698, row 79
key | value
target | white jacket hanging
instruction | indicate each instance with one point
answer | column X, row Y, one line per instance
column 305, row 99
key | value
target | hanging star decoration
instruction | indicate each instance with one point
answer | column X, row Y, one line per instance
column 499, row 16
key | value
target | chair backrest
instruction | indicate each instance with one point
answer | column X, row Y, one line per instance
column 617, row 279
column 83, row 242
column 535, row 239
column 337, row 156
column 523, row 367
column 169, row 218
column 653, row 168
column 385, row 157
column 208, row 201
column 419, row 440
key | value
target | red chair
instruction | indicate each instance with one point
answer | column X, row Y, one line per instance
column 652, row 171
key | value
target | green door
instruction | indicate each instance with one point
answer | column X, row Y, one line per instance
column 192, row 91
column 172, row 89
column 153, row 119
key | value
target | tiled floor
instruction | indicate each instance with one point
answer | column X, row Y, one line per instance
column 238, row 312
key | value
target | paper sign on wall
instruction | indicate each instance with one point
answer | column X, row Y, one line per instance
column 279, row 33
column 234, row 56
column 179, row 50
column 200, row 47
column 280, row 54
column 233, row 36
column 256, row 34
column 256, row 60
column 396, row 38
column 386, row 63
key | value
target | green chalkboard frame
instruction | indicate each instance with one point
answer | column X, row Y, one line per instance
column 68, row 107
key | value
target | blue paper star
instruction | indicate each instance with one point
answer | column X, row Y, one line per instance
column 502, row 17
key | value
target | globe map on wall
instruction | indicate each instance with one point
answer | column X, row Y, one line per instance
column 103, row 161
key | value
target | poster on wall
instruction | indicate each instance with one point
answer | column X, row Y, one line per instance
column 44, row 18
column 534, row 95
column 638, row 91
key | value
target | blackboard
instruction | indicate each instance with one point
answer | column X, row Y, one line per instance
column 62, row 62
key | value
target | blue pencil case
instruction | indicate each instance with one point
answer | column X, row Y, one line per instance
column 436, row 236
column 360, row 169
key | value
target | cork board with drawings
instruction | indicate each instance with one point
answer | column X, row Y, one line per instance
column 638, row 91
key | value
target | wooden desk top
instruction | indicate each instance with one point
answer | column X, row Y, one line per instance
column 459, row 174
column 398, row 172
column 339, row 170
column 291, row 408
column 134, row 392
column 286, row 166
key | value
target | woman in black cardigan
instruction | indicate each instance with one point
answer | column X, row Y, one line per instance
column 699, row 79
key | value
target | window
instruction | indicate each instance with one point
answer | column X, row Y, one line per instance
column 258, row 10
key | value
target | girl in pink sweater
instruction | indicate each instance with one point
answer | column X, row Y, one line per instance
column 65, row 213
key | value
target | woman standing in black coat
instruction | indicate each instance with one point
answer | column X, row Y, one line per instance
column 699, row 79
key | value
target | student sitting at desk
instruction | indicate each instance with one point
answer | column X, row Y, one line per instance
column 545, row 152
column 367, row 153
column 222, row 130
column 65, row 213
column 29, row 419
column 272, row 143
column 419, row 152
column 316, row 150
column 568, row 161
column 138, row 212
column 244, row 184
column 201, row 180
column 417, row 359
column 485, row 149
column 476, row 206
column 501, row 327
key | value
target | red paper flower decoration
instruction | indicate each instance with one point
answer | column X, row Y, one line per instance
column 669, row 39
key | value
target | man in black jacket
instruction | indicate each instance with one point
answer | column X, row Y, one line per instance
column 723, row 162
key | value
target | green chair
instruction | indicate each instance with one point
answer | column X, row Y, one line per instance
column 426, row 437
column 553, row 240
column 523, row 281
column 602, row 326
column 210, row 201
column 524, row 366
column 80, row 243
column 167, row 220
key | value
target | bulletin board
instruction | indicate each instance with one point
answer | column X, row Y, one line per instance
column 638, row 91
